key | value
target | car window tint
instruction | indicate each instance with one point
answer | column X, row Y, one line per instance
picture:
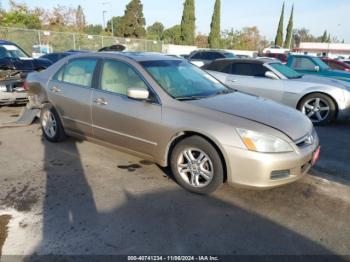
column 244, row 69
column 80, row 71
column 117, row 77
column 197, row 56
column 216, row 55
column 303, row 63
column 59, row 75
column 260, row 70
column 207, row 55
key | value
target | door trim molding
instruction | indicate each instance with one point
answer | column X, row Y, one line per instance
column 126, row 135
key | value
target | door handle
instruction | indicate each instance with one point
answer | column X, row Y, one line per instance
column 55, row 89
column 232, row 80
column 101, row 101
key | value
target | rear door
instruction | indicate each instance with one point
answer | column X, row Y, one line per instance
column 250, row 78
column 70, row 92
column 122, row 121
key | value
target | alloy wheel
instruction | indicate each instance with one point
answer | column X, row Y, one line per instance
column 49, row 124
column 195, row 167
column 317, row 109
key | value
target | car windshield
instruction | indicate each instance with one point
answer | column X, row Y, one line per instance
column 182, row 80
column 12, row 51
column 286, row 71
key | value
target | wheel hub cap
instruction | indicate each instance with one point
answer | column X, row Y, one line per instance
column 195, row 167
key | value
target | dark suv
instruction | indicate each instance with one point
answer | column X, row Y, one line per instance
column 204, row 57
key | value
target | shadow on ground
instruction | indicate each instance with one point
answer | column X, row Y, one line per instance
column 162, row 222
column 335, row 152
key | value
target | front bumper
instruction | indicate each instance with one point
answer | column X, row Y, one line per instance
column 257, row 170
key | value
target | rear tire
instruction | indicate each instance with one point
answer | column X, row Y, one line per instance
column 197, row 165
column 320, row 108
column 51, row 124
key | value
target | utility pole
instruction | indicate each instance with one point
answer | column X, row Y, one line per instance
column 103, row 17
column 110, row 6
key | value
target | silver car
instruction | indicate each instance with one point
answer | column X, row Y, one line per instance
column 166, row 110
column 321, row 99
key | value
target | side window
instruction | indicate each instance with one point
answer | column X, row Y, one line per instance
column 243, row 69
column 80, row 71
column 216, row 55
column 197, row 56
column 227, row 69
column 59, row 75
column 117, row 77
column 302, row 63
column 260, row 70
column 207, row 55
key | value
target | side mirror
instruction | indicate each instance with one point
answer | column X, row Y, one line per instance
column 271, row 75
column 317, row 69
column 138, row 93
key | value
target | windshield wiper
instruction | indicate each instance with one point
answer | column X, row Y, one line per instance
column 189, row 98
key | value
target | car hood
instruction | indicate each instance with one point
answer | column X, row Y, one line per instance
column 323, row 81
column 26, row 64
column 285, row 119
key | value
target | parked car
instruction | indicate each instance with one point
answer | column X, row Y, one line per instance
column 321, row 99
column 203, row 57
column 54, row 57
column 15, row 63
column 335, row 64
column 314, row 65
column 40, row 50
column 346, row 61
column 281, row 57
column 166, row 110
column 276, row 50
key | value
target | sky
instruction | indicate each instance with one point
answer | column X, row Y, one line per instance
column 315, row 15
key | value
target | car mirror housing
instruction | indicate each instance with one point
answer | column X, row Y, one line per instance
column 138, row 93
column 271, row 75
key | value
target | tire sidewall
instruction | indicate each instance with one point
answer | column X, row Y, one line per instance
column 209, row 149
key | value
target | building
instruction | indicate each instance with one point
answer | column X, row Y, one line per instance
column 333, row 50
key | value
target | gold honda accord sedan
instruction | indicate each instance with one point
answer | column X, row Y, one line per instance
column 166, row 110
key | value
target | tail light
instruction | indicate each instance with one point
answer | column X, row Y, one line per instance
column 26, row 85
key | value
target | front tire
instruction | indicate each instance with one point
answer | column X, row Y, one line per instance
column 320, row 108
column 197, row 165
column 51, row 124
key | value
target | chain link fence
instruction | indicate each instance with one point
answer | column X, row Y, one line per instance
column 63, row 41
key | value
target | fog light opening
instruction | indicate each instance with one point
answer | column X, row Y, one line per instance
column 281, row 174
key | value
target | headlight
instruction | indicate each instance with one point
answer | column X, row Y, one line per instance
column 259, row 142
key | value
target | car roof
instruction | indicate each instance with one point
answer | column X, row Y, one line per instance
column 244, row 60
column 139, row 56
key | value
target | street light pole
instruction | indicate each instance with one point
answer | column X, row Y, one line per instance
column 112, row 24
column 103, row 17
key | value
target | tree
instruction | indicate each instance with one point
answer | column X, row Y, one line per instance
column 248, row 38
column 172, row 35
column 93, row 29
column 279, row 36
column 155, row 31
column 188, row 23
column 80, row 18
column 118, row 26
column 214, row 36
column 324, row 37
column 134, row 21
column 202, row 41
column 287, row 42
column 20, row 15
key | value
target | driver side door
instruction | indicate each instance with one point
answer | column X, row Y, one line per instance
column 120, row 120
